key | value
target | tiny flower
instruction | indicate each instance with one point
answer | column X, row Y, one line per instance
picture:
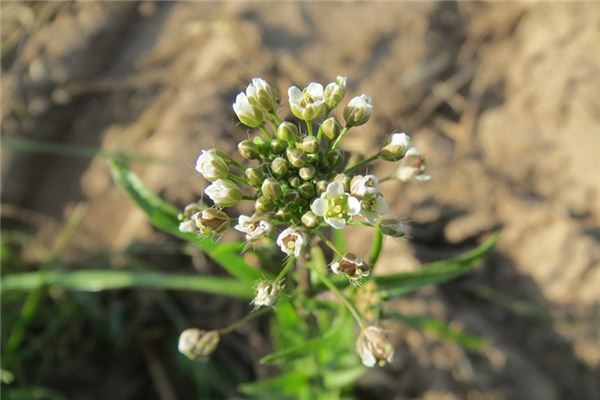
column 198, row 344
column 412, row 167
column 291, row 241
column 262, row 95
column 211, row 221
column 373, row 207
column 188, row 226
column 334, row 92
column 335, row 206
column 344, row 180
column 254, row 228
column 267, row 293
column 224, row 193
column 307, row 104
column 211, row 166
column 351, row 266
column 393, row 227
column 248, row 114
column 364, row 186
column 330, row 128
column 373, row 347
column 358, row 111
column 310, row 220
column 395, row 146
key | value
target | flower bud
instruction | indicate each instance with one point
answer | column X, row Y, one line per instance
column 351, row 266
column 280, row 166
column 358, row 111
column 190, row 210
column 373, row 347
column 393, row 227
column 254, row 176
column 395, row 146
column 263, row 205
column 224, row 193
column 261, row 94
column 248, row 114
column 267, row 293
column 364, row 186
column 310, row 220
column 330, row 128
column 321, row 186
column 336, row 157
column 263, row 145
column 283, row 214
column 334, row 92
column 271, row 189
column 309, row 144
column 344, row 180
column 307, row 173
column 198, row 344
column 278, row 146
column 211, row 221
column 211, row 165
column 248, row 150
column 296, row 157
column 295, row 182
column 291, row 196
column 287, row 132
column 307, row 190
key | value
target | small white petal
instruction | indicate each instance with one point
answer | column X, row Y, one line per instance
column 337, row 223
column 315, row 90
column 319, row 206
column 368, row 359
column 353, row 205
column 334, row 189
column 381, row 206
column 294, row 94
column 335, row 267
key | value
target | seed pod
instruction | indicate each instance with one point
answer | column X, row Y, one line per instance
column 307, row 173
column 295, row 182
column 287, row 132
column 344, row 180
column 330, row 128
column 254, row 176
column 263, row 205
column 280, row 166
column 358, row 111
column 336, row 157
column 271, row 189
column 262, row 145
column 198, row 344
column 351, row 266
column 309, row 144
column 278, row 146
column 296, row 157
column 248, row 150
column 307, row 190
column 395, row 146
column 310, row 220
column 321, row 186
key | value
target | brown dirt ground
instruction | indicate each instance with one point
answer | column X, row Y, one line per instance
column 502, row 99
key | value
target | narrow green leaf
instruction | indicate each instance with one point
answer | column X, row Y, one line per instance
column 343, row 377
column 437, row 272
column 164, row 216
column 286, row 383
column 97, row 280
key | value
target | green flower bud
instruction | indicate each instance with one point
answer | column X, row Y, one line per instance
column 307, row 190
column 310, row 220
column 248, row 150
column 224, row 193
column 330, row 128
column 393, row 227
column 278, row 146
column 307, row 173
column 334, row 92
column 291, row 196
column 309, row 144
column 395, row 146
column 321, row 187
column 344, row 180
column 211, row 221
column 262, row 145
column 280, row 166
column 336, row 157
column 247, row 113
column 295, row 182
column 358, row 111
column 262, row 95
column 263, row 205
column 296, row 157
column 271, row 189
column 254, row 176
column 288, row 132
column 198, row 344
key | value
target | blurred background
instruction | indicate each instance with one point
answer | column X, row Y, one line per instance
column 502, row 99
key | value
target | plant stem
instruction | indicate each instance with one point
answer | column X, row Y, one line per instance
column 276, row 118
column 247, row 197
column 329, row 244
column 247, row 318
column 286, row 268
column 309, row 126
column 339, row 138
column 303, row 276
column 361, row 163
column 231, row 160
column 237, row 179
column 266, row 132
column 376, row 248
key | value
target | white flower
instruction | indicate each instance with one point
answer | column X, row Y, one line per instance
column 358, row 110
column 254, row 228
column 334, row 92
column 196, row 343
column 211, row 165
column 373, row 347
column 224, row 193
column 291, row 241
column 364, row 186
column 261, row 94
column 395, row 147
column 413, row 167
column 307, row 104
column 247, row 113
column 266, row 293
column 351, row 266
column 335, row 206
column 373, row 207
column 188, row 226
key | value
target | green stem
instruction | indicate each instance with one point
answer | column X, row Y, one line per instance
column 329, row 244
column 309, row 127
column 337, row 140
column 286, row 268
column 376, row 248
column 237, row 179
column 246, row 197
column 276, row 118
column 230, row 160
column 361, row 163
column 339, row 294
column 244, row 320
column 266, row 132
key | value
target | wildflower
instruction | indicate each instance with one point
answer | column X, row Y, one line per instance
column 261, row 94
column 413, row 167
column 334, row 92
column 372, row 207
column 211, row 221
column 393, row 227
column 254, row 228
column 291, row 241
column 187, row 224
column 247, row 113
column 196, row 343
column 395, row 146
column 224, row 193
column 364, row 186
column 267, row 293
column 336, row 206
column 307, row 104
column 358, row 111
column 211, row 166
column 309, row 219
column 351, row 266
column 373, row 347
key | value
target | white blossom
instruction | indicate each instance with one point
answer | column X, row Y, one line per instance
column 373, row 207
column 254, row 228
column 373, row 347
column 224, row 193
column 247, row 113
column 307, row 104
column 412, row 167
column 336, row 206
column 211, row 166
column 364, row 186
column 291, row 241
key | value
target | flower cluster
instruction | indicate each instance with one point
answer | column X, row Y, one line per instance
column 297, row 177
